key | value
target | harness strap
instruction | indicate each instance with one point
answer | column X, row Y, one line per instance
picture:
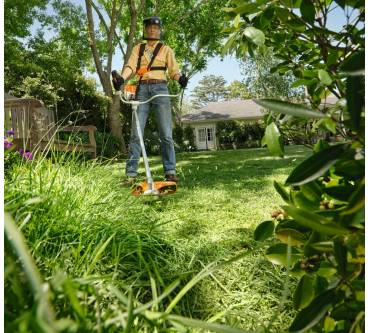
column 158, row 68
column 141, row 53
column 155, row 52
column 149, row 67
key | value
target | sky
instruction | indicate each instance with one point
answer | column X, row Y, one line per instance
column 229, row 67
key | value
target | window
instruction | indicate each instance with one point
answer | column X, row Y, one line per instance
column 210, row 134
column 202, row 134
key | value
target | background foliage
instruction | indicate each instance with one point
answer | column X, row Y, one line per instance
column 321, row 227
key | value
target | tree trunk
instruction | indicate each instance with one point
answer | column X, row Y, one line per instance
column 114, row 120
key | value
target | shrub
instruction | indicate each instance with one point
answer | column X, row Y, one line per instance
column 239, row 134
column 189, row 139
column 106, row 145
column 321, row 227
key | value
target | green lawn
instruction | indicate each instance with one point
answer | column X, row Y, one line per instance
column 221, row 198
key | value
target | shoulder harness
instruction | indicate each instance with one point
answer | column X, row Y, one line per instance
column 143, row 70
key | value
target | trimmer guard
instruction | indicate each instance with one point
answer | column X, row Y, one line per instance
column 160, row 188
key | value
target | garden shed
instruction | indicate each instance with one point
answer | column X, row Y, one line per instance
column 204, row 120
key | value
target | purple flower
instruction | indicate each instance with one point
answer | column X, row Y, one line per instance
column 26, row 154
column 7, row 144
column 10, row 132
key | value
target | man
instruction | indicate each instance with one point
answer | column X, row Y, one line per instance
column 150, row 61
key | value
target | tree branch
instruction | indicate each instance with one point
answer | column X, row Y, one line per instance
column 113, row 22
column 96, row 56
column 134, row 16
column 101, row 17
column 182, row 18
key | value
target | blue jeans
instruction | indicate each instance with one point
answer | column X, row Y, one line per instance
column 162, row 109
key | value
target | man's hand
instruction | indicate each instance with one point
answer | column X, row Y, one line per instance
column 183, row 81
column 117, row 80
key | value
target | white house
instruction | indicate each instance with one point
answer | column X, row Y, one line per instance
column 204, row 120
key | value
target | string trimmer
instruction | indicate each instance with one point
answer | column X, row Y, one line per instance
column 149, row 187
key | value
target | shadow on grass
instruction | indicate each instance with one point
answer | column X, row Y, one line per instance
column 232, row 170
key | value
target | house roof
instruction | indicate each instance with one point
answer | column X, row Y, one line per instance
column 226, row 110
column 234, row 110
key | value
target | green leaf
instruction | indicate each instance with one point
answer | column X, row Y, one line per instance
column 301, row 201
column 341, row 193
column 316, row 165
column 332, row 58
column 355, row 100
column 355, row 64
column 313, row 313
column 357, row 199
column 340, row 253
column 291, row 224
column 320, row 145
column 296, row 25
column 304, row 292
column 264, row 230
column 278, row 254
column 296, row 110
column 315, row 222
column 283, row 14
column 267, row 16
column 303, row 82
column 282, row 191
column 324, row 77
column 326, row 270
column 236, row 21
column 290, row 236
column 329, row 124
column 263, row 141
column 352, row 169
column 312, row 191
column 327, row 246
column 308, row 11
column 314, row 238
column 329, row 324
column 248, row 8
column 229, row 44
column 310, row 73
column 256, row 36
column 273, row 140
column 347, row 310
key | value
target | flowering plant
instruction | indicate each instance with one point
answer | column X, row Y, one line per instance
column 11, row 155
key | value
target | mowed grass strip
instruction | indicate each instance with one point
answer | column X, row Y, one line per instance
column 222, row 196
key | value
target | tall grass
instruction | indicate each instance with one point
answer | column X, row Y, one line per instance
column 109, row 262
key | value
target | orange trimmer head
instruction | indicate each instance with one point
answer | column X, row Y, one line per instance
column 157, row 188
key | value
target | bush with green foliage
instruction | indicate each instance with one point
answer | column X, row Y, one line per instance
column 189, row 138
column 239, row 134
column 106, row 145
column 321, row 227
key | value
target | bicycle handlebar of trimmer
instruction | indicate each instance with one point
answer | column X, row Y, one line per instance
column 148, row 100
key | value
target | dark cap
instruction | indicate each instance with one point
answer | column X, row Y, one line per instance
column 153, row 20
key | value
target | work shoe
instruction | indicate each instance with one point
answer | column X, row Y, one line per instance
column 129, row 181
column 171, row 178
